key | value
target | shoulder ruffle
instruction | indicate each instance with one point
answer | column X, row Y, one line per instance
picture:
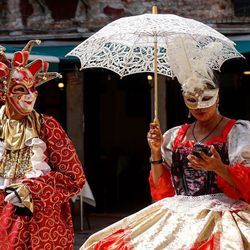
column 239, row 143
column 168, row 144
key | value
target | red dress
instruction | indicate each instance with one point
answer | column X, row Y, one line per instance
column 238, row 172
column 198, row 216
column 50, row 226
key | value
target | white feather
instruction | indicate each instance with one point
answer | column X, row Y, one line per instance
column 190, row 62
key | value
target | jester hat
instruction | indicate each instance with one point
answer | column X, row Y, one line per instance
column 34, row 72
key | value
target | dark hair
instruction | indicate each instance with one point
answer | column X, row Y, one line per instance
column 215, row 81
column 216, row 78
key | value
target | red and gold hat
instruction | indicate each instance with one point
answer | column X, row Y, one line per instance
column 31, row 74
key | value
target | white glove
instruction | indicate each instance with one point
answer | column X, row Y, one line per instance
column 12, row 198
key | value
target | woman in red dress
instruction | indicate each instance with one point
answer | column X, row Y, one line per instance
column 200, row 176
column 39, row 168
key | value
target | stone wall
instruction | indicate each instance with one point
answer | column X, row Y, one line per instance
column 44, row 16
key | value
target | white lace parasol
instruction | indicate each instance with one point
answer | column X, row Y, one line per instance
column 155, row 43
column 126, row 46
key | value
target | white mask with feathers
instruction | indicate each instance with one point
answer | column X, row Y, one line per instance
column 190, row 65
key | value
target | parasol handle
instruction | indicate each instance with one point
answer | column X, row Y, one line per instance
column 156, row 120
column 154, row 9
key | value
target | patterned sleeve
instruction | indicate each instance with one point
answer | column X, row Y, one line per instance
column 239, row 157
column 66, row 177
column 164, row 188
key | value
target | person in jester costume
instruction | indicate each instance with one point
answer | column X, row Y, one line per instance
column 39, row 167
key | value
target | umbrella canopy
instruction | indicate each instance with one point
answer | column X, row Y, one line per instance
column 160, row 43
column 126, row 46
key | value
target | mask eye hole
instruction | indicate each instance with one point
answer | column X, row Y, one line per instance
column 206, row 98
column 19, row 90
column 191, row 100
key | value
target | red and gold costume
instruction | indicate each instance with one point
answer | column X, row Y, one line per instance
column 39, row 168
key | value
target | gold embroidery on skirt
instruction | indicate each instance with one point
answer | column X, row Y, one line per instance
column 15, row 164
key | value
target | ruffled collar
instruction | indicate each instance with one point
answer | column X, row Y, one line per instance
column 14, row 133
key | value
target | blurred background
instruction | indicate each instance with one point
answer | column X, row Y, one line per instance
column 107, row 117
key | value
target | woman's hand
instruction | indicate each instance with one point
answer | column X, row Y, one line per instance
column 155, row 140
column 208, row 163
column 211, row 163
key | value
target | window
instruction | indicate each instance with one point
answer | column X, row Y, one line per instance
column 242, row 8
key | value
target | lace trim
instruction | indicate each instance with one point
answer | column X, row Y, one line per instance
column 213, row 202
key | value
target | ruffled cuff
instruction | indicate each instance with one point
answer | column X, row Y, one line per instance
column 164, row 187
column 39, row 166
column 240, row 175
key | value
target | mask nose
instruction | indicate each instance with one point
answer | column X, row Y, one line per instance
column 199, row 100
column 29, row 96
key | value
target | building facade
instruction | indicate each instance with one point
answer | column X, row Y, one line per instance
column 108, row 117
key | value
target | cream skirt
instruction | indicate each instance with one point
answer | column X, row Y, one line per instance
column 180, row 223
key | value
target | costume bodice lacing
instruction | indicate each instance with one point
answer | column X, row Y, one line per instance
column 188, row 181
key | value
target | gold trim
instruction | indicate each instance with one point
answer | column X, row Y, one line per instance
column 15, row 133
column 24, row 194
column 15, row 164
column 15, row 161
